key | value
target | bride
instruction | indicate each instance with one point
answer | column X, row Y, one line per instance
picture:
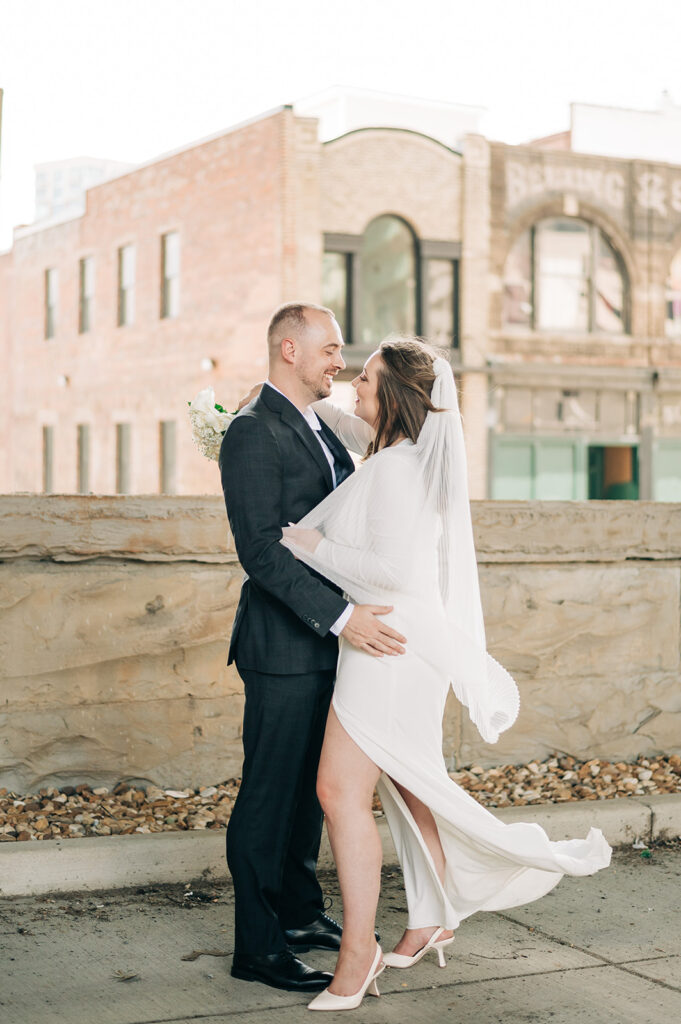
column 398, row 532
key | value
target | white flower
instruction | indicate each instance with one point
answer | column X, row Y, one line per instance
column 208, row 423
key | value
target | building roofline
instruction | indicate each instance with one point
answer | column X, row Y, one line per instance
column 23, row 230
column 196, row 143
column 388, row 128
column 623, row 110
column 576, row 154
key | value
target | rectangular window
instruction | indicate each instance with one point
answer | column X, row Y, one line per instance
column 336, row 275
column 126, row 285
column 123, row 458
column 168, row 460
column 83, row 458
column 48, row 459
column 563, row 261
column 86, row 294
column 441, row 301
column 170, row 273
column 51, row 285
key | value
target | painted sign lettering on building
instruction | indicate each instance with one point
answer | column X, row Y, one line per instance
column 654, row 192
column 530, row 180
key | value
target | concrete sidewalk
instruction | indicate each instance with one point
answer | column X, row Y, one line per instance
column 599, row 950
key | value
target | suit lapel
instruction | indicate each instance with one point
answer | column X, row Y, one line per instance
column 344, row 464
column 297, row 422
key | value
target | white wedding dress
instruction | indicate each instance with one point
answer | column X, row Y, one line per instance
column 380, row 545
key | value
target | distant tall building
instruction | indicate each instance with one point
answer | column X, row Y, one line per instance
column 60, row 185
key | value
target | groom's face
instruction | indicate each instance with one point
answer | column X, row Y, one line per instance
column 318, row 354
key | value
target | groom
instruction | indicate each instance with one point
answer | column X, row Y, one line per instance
column 278, row 461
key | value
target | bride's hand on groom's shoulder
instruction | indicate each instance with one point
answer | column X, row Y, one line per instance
column 253, row 393
column 305, row 539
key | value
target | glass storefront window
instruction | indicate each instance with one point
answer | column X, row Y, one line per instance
column 387, row 280
column 335, row 287
column 673, row 324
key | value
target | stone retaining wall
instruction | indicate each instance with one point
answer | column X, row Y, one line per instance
column 115, row 615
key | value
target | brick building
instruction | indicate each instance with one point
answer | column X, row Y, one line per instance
column 553, row 277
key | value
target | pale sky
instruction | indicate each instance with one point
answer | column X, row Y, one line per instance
column 130, row 79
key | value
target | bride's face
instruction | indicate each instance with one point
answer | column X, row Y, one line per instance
column 366, row 387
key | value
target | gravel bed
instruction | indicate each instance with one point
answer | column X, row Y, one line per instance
column 76, row 811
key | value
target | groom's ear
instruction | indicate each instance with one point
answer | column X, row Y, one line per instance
column 288, row 350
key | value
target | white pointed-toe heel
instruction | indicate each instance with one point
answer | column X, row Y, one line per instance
column 400, row 960
column 328, row 1001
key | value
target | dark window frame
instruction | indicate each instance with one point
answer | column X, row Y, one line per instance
column 425, row 249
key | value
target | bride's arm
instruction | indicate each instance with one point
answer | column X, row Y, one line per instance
column 353, row 432
column 386, row 556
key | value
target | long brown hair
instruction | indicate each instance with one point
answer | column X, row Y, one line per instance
column 403, row 389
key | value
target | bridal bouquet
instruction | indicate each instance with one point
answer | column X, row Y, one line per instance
column 209, row 422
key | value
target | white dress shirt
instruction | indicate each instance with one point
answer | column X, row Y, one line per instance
column 313, row 421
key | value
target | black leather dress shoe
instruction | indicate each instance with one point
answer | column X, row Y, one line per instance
column 322, row 933
column 279, row 970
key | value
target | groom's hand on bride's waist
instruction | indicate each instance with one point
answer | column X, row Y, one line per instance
column 365, row 631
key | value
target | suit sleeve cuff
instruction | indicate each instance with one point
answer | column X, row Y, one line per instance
column 342, row 620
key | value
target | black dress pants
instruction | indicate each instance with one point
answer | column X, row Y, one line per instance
column 275, row 829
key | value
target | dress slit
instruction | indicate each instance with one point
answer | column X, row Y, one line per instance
column 489, row 865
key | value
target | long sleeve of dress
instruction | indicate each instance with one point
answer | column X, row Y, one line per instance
column 383, row 557
column 350, row 430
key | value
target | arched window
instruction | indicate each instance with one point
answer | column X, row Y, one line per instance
column 562, row 274
column 388, row 280
column 673, row 325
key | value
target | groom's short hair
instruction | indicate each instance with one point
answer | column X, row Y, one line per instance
column 290, row 319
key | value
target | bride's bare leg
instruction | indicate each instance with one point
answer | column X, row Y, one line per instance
column 414, row 939
column 345, row 786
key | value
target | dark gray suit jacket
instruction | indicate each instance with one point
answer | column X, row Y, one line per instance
column 273, row 472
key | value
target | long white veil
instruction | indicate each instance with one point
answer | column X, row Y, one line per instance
column 479, row 682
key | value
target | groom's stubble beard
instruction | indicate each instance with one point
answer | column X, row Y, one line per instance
column 318, row 388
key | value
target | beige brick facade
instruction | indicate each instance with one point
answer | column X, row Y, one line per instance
column 377, row 171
